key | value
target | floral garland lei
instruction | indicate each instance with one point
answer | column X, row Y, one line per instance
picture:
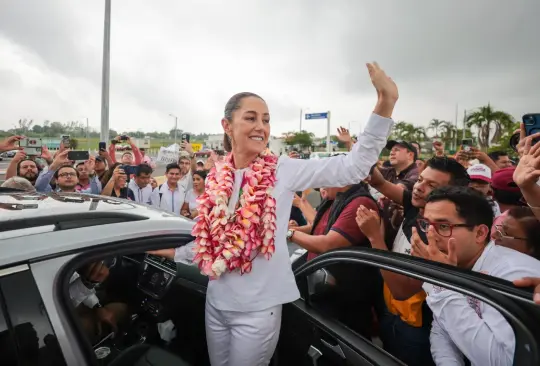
column 232, row 240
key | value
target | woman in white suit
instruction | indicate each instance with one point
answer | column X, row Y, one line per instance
column 243, row 223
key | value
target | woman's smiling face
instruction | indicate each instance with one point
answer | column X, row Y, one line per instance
column 250, row 128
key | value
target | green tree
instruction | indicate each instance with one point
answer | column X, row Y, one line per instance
column 37, row 129
column 449, row 135
column 302, row 138
column 484, row 119
column 436, row 124
column 23, row 126
column 409, row 132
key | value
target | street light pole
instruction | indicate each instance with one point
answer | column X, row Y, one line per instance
column 175, row 126
column 87, row 136
column 104, row 134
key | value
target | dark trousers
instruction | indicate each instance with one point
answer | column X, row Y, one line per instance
column 405, row 342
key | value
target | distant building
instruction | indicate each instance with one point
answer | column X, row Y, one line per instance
column 214, row 142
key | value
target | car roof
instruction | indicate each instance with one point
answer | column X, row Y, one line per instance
column 33, row 225
column 24, row 205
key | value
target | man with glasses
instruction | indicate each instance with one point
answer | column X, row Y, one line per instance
column 457, row 223
column 67, row 177
column 404, row 319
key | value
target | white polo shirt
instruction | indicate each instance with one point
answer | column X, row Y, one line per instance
column 170, row 200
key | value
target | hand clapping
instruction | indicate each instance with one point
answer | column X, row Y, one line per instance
column 431, row 251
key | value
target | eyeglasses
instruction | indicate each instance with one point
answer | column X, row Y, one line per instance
column 442, row 228
column 501, row 234
column 63, row 175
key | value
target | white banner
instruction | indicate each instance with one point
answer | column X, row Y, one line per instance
column 167, row 156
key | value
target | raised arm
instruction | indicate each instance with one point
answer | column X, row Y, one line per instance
column 112, row 153
column 137, row 156
column 342, row 170
column 11, row 170
column 390, row 190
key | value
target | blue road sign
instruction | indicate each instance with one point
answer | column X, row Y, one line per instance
column 317, row 115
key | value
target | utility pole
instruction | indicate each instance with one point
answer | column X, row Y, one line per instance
column 104, row 134
column 175, row 126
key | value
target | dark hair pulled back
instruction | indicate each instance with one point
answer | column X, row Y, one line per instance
column 232, row 105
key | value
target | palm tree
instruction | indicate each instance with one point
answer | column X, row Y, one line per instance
column 435, row 124
column 484, row 119
column 449, row 134
column 413, row 133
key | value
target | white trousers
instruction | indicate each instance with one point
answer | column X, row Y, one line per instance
column 242, row 338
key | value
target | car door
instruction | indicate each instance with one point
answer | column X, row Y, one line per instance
column 26, row 333
column 312, row 336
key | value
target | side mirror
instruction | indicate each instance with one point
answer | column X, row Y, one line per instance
column 320, row 283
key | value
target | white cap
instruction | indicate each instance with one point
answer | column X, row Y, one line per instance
column 480, row 172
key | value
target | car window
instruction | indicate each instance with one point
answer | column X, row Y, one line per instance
column 428, row 326
column 26, row 337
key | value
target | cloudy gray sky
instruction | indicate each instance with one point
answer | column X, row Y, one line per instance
column 188, row 57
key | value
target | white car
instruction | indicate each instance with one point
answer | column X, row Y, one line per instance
column 69, row 261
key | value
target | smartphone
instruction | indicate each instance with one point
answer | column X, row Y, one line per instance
column 102, row 146
column 124, row 138
column 220, row 152
column 31, row 146
column 78, row 155
column 532, row 124
column 129, row 169
column 66, row 141
column 467, row 144
column 186, row 137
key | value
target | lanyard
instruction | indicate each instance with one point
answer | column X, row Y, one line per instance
column 172, row 199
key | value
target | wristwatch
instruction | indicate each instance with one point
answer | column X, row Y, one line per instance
column 290, row 234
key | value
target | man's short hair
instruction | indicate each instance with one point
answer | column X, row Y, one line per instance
column 458, row 174
column 470, row 204
column 495, row 155
column 56, row 173
column 172, row 166
column 144, row 169
column 22, row 161
column 19, row 183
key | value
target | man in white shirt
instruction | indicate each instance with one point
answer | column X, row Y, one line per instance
column 185, row 164
column 458, row 221
column 140, row 185
column 170, row 196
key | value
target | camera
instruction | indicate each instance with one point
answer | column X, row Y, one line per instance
column 31, row 146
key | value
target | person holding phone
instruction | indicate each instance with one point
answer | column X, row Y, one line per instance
column 117, row 185
column 67, row 177
column 127, row 157
column 245, row 296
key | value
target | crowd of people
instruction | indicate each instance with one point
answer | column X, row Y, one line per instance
column 131, row 178
column 474, row 211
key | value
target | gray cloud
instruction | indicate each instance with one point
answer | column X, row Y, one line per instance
column 189, row 57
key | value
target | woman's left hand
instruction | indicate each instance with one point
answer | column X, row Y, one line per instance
column 385, row 86
column 167, row 253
